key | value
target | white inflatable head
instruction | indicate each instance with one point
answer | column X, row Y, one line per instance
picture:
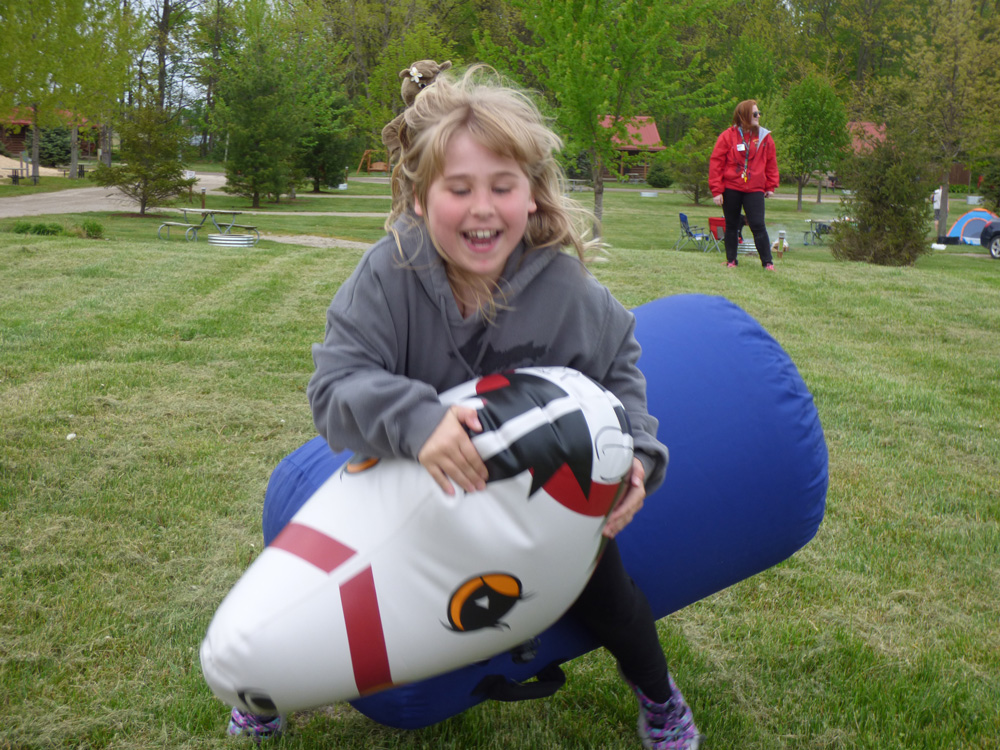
column 382, row 579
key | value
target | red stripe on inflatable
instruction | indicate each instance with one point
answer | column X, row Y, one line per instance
column 364, row 633
column 567, row 491
column 315, row 547
column 491, row 383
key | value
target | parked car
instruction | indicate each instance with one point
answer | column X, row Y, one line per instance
column 990, row 238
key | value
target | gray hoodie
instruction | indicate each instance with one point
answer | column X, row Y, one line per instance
column 395, row 338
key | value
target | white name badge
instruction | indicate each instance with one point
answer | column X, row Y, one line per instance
column 741, row 147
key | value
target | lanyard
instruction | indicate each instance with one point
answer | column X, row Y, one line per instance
column 746, row 153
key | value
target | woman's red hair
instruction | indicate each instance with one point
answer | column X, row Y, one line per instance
column 743, row 116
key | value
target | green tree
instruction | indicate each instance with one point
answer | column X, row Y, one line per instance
column 214, row 33
column 688, row 159
column 328, row 139
column 991, row 184
column 151, row 172
column 858, row 40
column 256, row 109
column 55, row 147
column 376, row 30
column 601, row 62
column 279, row 100
column 40, row 31
column 60, row 58
column 890, row 180
column 951, row 85
column 328, row 143
column 813, row 132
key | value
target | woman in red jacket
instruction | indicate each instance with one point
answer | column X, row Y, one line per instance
column 743, row 172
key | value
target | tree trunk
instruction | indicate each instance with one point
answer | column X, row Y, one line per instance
column 105, row 141
column 819, row 190
column 598, row 179
column 943, row 214
column 162, row 34
column 74, row 151
column 800, row 182
column 36, row 142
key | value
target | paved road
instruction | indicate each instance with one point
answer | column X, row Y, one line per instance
column 81, row 200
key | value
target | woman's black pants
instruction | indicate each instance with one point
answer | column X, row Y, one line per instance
column 752, row 204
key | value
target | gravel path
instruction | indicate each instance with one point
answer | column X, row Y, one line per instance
column 82, row 200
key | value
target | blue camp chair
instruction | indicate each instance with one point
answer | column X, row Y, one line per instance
column 697, row 236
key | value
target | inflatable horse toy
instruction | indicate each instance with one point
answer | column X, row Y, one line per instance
column 415, row 605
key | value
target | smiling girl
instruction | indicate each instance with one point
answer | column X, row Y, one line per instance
column 472, row 279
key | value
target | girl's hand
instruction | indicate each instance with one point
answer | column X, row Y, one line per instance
column 768, row 194
column 631, row 502
column 717, row 199
column 450, row 454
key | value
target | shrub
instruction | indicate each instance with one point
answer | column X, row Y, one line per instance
column 93, row 230
column 889, row 211
column 54, row 147
column 659, row 176
column 42, row 228
column 21, row 226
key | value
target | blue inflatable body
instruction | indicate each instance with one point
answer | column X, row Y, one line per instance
column 745, row 489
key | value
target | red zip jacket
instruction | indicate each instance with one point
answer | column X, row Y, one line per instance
column 725, row 169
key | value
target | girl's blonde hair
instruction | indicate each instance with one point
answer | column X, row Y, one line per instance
column 508, row 123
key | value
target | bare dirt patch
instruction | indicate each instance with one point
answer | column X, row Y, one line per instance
column 310, row 240
column 7, row 163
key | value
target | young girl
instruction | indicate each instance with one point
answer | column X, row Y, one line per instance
column 471, row 280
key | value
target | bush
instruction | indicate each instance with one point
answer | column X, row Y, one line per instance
column 889, row 211
column 54, row 147
column 22, row 226
column 93, row 230
column 659, row 176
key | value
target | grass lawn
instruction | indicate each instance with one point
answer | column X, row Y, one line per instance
column 147, row 390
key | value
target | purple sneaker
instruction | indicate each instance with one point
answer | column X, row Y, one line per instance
column 255, row 727
column 666, row 726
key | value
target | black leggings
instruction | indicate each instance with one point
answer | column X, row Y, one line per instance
column 752, row 204
column 617, row 613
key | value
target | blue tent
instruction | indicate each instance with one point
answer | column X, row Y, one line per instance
column 970, row 225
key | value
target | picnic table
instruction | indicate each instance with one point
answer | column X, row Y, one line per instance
column 201, row 215
column 198, row 218
column 814, row 234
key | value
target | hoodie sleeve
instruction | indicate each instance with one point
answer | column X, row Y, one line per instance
column 360, row 401
column 621, row 376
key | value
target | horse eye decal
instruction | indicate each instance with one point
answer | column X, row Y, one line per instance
column 482, row 600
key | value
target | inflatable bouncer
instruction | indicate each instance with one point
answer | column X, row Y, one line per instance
column 381, row 578
column 746, row 488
